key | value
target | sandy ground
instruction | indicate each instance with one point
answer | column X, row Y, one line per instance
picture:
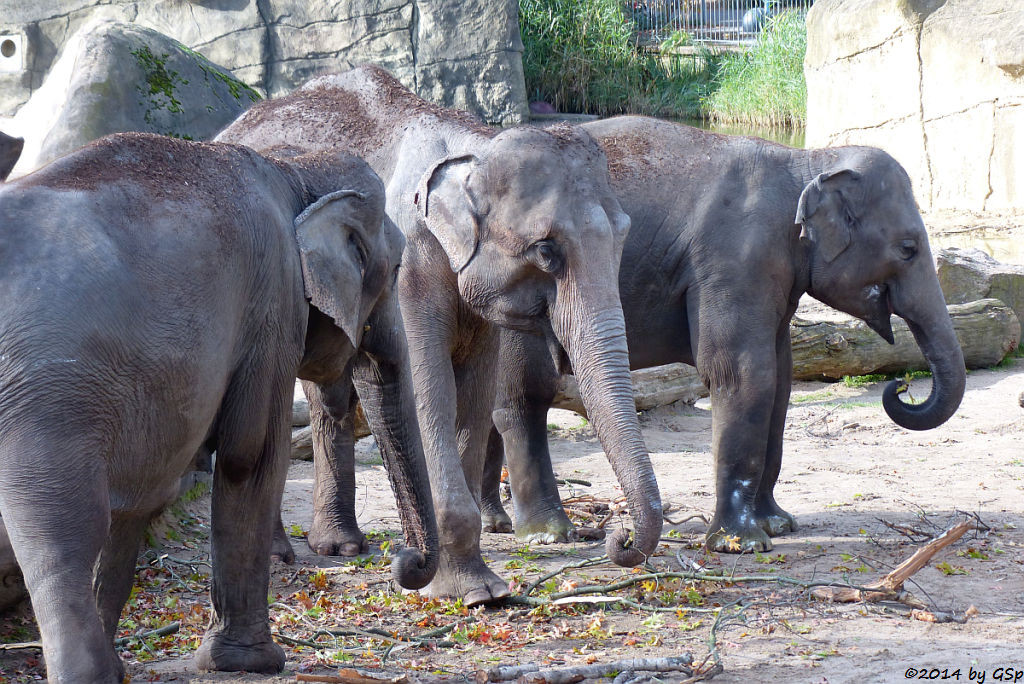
column 848, row 474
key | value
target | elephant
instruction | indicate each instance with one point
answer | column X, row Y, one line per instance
column 160, row 297
column 513, row 228
column 727, row 234
column 10, row 152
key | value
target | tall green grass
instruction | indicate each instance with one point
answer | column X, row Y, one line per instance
column 765, row 86
column 580, row 56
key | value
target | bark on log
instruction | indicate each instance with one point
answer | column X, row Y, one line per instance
column 652, row 387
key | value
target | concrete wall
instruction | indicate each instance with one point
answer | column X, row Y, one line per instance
column 937, row 83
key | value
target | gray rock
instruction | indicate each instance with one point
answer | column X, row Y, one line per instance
column 939, row 84
column 462, row 53
column 969, row 274
column 117, row 77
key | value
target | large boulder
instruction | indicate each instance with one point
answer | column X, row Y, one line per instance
column 969, row 274
column 939, row 84
column 462, row 53
column 119, row 77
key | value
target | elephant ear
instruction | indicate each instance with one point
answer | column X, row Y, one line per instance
column 10, row 152
column 446, row 206
column 825, row 211
column 334, row 259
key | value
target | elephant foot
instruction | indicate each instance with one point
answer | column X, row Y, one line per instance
column 493, row 518
column 280, row 548
column 468, row 579
column 774, row 520
column 224, row 653
column 549, row 529
column 544, row 523
column 337, row 540
column 732, row 537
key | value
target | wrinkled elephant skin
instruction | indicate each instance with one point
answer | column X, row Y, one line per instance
column 160, row 297
column 727, row 234
column 513, row 229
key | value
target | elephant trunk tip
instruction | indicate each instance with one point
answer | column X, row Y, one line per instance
column 626, row 551
column 925, row 416
column 411, row 569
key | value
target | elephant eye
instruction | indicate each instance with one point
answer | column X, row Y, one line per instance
column 547, row 255
column 357, row 246
column 907, row 249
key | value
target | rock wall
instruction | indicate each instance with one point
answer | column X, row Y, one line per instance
column 939, row 84
column 459, row 53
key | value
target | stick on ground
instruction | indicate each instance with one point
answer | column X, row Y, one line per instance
column 890, row 586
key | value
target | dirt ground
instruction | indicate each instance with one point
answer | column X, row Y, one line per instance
column 849, row 476
column 866, row 494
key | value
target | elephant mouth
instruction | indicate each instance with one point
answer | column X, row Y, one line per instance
column 880, row 307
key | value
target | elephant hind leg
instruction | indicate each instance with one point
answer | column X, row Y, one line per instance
column 115, row 569
column 55, row 505
column 527, row 385
column 248, row 481
column 332, row 409
column 492, row 514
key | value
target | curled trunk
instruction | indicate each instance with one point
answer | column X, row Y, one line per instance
column 924, row 310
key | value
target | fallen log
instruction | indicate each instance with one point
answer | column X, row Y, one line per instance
column 829, row 349
column 987, row 330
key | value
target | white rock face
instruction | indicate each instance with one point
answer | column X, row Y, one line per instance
column 121, row 77
column 939, row 84
column 462, row 53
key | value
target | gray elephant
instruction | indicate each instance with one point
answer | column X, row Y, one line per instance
column 728, row 233
column 161, row 296
column 10, row 152
column 514, row 228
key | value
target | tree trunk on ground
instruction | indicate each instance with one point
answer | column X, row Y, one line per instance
column 987, row 329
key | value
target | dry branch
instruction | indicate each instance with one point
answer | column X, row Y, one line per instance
column 532, row 674
column 891, row 585
column 351, row 676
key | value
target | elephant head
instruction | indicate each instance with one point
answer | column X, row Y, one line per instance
column 347, row 244
column 870, row 258
column 535, row 234
column 10, row 152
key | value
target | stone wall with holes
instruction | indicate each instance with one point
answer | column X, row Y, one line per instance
column 939, row 84
column 460, row 53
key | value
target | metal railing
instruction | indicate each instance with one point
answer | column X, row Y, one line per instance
column 707, row 22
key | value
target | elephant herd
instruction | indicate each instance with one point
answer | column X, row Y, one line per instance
column 158, row 299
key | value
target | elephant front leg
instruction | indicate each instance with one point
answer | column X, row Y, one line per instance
column 742, row 384
column 454, row 440
column 527, row 382
column 769, row 514
column 335, row 530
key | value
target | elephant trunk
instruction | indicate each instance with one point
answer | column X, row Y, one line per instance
column 933, row 330
column 596, row 346
column 384, row 384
